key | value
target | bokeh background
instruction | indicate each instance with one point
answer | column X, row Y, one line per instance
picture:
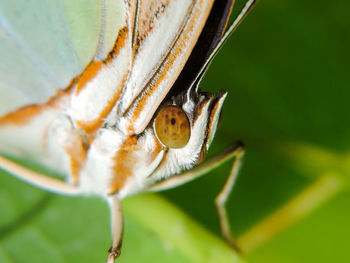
column 287, row 73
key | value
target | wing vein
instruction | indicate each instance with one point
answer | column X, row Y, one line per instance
column 102, row 36
column 157, row 68
column 134, row 32
column 12, row 35
column 67, row 36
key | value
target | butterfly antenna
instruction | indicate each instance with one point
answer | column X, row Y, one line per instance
column 244, row 12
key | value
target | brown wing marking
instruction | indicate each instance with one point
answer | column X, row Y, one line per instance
column 124, row 161
column 91, row 71
column 91, row 126
column 182, row 46
column 123, row 34
column 22, row 116
column 149, row 11
column 26, row 114
column 76, row 152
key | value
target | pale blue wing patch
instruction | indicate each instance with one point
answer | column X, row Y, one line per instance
column 92, row 27
column 38, row 29
column 44, row 44
column 112, row 20
column 19, row 76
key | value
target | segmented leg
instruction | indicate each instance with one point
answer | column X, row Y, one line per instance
column 40, row 180
column 237, row 151
column 117, row 228
column 221, row 198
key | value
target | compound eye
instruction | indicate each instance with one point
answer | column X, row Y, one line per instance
column 172, row 127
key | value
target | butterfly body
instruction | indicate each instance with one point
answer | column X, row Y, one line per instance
column 126, row 120
column 95, row 130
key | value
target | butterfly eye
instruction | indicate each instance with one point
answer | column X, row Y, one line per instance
column 172, row 127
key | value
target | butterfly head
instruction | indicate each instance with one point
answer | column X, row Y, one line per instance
column 184, row 126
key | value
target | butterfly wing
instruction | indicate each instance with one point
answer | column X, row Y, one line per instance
column 44, row 44
column 164, row 37
column 142, row 46
column 208, row 40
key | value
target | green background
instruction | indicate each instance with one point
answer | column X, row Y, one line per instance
column 287, row 73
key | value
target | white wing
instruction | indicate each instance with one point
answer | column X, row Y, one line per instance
column 137, row 50
column 44, row 44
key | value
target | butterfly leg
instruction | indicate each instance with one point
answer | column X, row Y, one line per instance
column 40, row 180
column 237, row 151
column 117, row 228
column 221, row 198
column 234, row 150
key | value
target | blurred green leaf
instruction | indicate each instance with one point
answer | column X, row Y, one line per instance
column 286, row 71
column 41, row 227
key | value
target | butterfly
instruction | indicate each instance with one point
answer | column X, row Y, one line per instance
column 106, row 94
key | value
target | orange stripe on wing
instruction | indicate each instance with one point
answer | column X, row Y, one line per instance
column 24, row 115
column 189, row 35
column 124, row 161
column 77, row 154
column 89, row 73
column 91, row 126
column 119, row 43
